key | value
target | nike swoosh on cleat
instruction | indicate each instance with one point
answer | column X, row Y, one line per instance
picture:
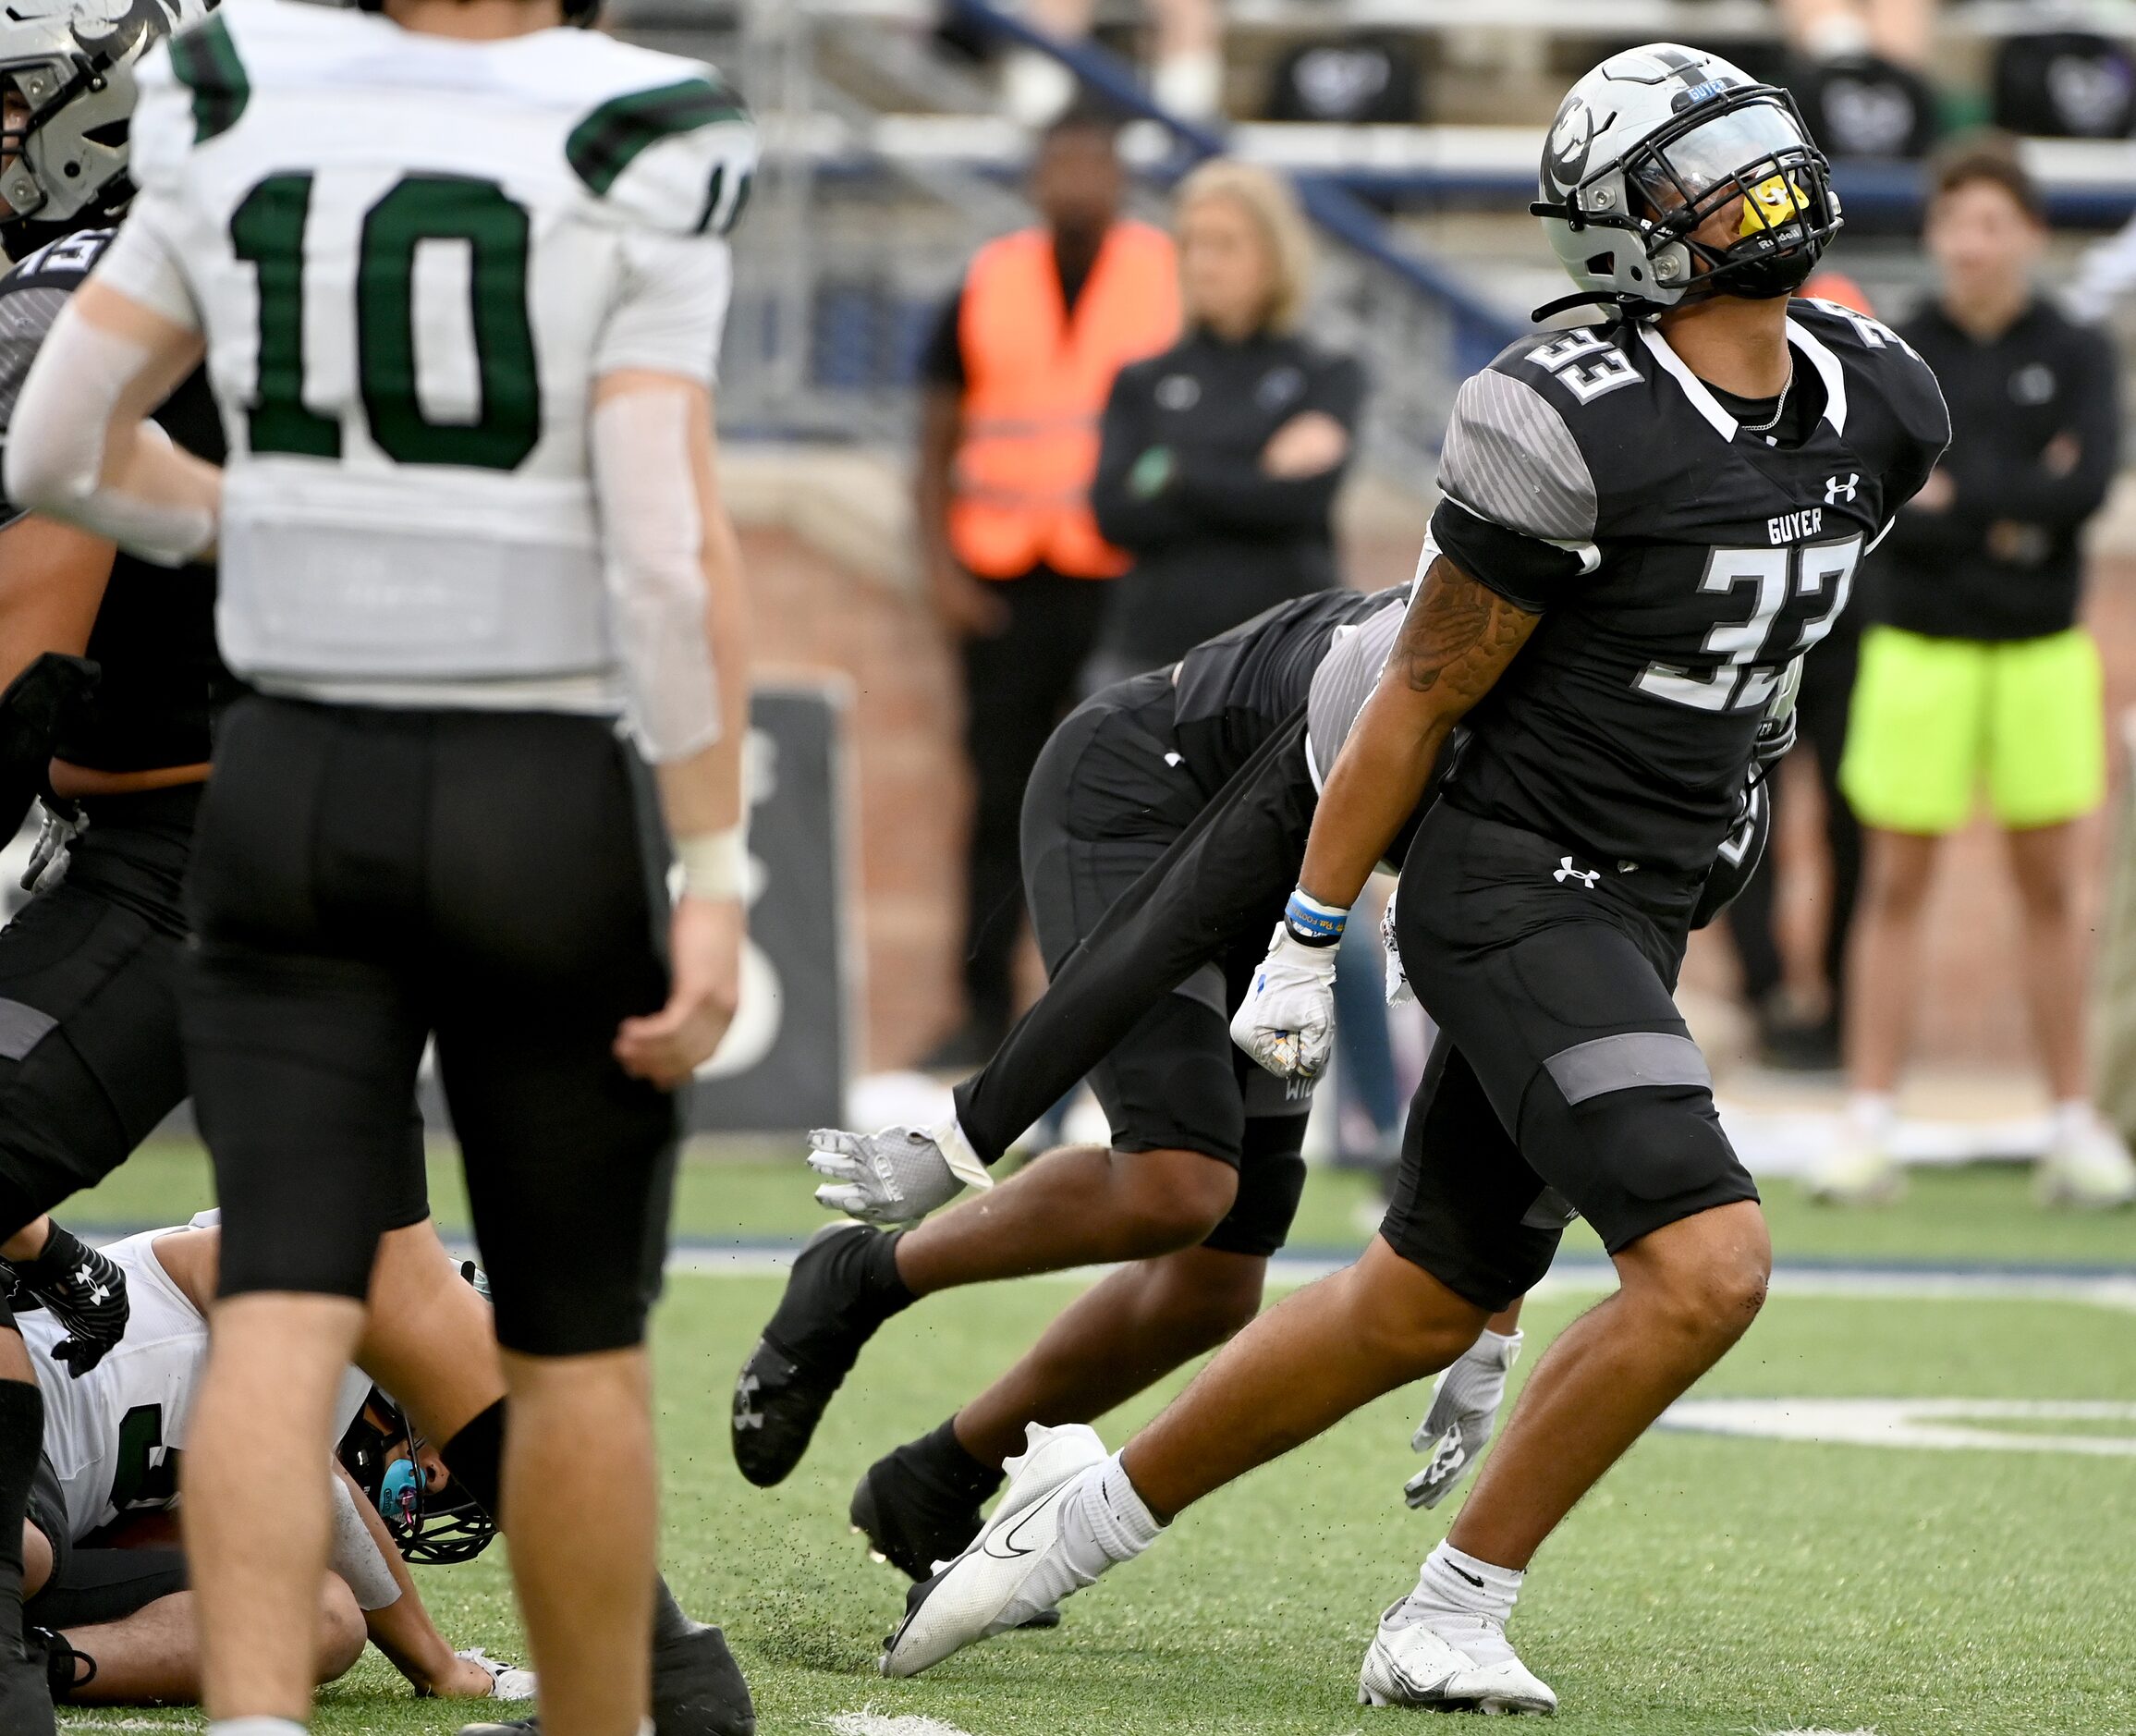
column 1009, row 1551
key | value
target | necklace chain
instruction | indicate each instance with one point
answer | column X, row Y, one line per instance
column 1779, row 409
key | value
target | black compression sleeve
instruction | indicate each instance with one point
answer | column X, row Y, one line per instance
column 1523, row 570
column 1231, row 867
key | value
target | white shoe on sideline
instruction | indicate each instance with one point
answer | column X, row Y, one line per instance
column 1852, row 1171
column 1419, row 1660
column 1014, row 1570
column 2093, row 1171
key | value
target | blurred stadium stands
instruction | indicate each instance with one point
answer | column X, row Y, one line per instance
column 888, row 160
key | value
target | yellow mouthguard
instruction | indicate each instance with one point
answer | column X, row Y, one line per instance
column 1772, row 203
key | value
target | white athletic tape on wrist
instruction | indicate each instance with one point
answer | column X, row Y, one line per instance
column 957, row 1153
column 57, row 445
column 715, row 864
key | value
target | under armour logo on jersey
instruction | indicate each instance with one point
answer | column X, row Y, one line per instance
column 1586, row 876
column 1835, row 491
column 746, row 1414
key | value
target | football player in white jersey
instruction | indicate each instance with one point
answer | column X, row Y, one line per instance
column 116, row 1622
column 469, row 518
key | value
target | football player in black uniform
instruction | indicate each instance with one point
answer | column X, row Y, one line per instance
column 1163, row 826
column 1204, row 1171
column 1644, row 522
column 115, row 687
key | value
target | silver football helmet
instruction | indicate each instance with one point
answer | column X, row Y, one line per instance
column 1647, row 149
column 72, row 62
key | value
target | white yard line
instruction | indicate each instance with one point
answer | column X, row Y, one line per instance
column 1592, row 1277
column 867, row 1721
column 1945, row 1424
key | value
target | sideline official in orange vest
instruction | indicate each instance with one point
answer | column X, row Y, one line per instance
column 1015, row 379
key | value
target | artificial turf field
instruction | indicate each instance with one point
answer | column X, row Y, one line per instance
column 1710, row 1584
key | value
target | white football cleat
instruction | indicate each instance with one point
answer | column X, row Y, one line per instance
column 1423, row 1663
column 1014, row 1570
column 2091, row 1171
column 1853, row 1171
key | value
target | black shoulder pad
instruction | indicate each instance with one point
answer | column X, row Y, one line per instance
column 60, row 265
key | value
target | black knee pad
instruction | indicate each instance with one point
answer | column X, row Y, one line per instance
column 1636, row 1159
column 1271, row 1183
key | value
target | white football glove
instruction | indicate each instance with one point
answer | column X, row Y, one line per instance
column 1463, row 1416
column 1287, row 1022
column 896, row 1175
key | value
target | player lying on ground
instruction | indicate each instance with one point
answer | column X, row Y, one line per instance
column 430, row 1336
column 1628, row 559
column 107, row 1585
column 1163, row 827
column 92, row 1060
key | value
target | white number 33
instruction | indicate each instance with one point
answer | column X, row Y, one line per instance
column 1743, row 678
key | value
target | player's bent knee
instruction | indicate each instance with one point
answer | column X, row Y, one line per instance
column 1706, row 1276
column 341, row 1630
column 1180, row 1196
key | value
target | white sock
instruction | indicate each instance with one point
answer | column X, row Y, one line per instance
column 254, row 1727
column 1871, row 1116
column 1103, row 1522
column 1457, row 1584
column 1463, row 1600
column 2075, row 1121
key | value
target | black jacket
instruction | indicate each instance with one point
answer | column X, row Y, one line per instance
column 2008, row 399
column 1179, row 484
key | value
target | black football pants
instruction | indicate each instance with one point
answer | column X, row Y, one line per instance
column 364, row 878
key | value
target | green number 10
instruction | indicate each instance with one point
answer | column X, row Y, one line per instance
column 267, row 231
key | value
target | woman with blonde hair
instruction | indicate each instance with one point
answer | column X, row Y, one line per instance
column 1221, row 456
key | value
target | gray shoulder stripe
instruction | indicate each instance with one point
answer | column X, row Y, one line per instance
column 1629, row 1059
column 1344, row 679
column 1509, row 457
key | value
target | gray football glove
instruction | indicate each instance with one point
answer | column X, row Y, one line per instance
column 1463, row 1416
column 62, row 824
column 1777, row 728
column 896, row 1175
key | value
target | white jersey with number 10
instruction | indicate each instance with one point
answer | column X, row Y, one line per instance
column 412, row 257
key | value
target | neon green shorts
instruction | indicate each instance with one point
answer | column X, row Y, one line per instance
column 1932, row 719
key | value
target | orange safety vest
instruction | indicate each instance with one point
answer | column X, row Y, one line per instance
column 1036, row 380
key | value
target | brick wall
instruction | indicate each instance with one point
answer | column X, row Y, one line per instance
column 829, row 570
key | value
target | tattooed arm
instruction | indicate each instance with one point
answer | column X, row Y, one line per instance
column 1456, row 641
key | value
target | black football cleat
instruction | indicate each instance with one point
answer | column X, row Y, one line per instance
column 914, row 1513
column 844, row 1285
column 698, row 1688
column 25, row 1691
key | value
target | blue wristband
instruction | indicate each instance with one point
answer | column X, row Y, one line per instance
column 1311, row 922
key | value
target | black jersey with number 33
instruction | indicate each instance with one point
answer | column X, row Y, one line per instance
column 1679, row 561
